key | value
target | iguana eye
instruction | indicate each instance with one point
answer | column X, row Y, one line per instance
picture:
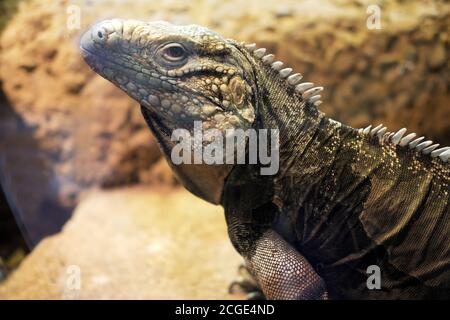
column 99, row 36
column 173, row 52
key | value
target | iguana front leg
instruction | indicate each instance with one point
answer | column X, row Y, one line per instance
column 280, row 270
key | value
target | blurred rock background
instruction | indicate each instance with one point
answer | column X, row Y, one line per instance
column 65, row 131
column 121, row 245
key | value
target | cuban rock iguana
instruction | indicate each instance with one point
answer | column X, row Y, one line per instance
column 343, row 199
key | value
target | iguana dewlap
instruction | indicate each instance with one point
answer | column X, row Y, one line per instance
column 343, row 199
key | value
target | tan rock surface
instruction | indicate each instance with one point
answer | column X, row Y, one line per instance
column 85, row 132
column 132, row 244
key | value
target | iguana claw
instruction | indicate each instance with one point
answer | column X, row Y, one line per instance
column 246, row 284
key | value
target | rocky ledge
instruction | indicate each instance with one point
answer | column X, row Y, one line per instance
column 132, row 244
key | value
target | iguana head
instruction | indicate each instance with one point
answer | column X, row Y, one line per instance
column 179, row 73
column 184, row 74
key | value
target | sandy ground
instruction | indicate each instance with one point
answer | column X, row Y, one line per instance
column 132, row 243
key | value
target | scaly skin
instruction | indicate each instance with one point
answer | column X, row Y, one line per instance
column 343, row 199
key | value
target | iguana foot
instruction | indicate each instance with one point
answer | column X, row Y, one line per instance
column 246, row 284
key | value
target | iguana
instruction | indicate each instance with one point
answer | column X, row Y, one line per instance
column 343, row 199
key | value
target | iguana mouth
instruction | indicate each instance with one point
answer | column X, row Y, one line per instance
column 100, row 58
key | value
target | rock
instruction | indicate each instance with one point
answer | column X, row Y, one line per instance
column 11, row 240
column 344, row 63
column 137, row 158
column 132, row 244
column 438, row 57
column 159, row 174
column 3, row 271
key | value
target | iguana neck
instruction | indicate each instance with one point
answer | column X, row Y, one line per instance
column 280, row 107
column 310, row 142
